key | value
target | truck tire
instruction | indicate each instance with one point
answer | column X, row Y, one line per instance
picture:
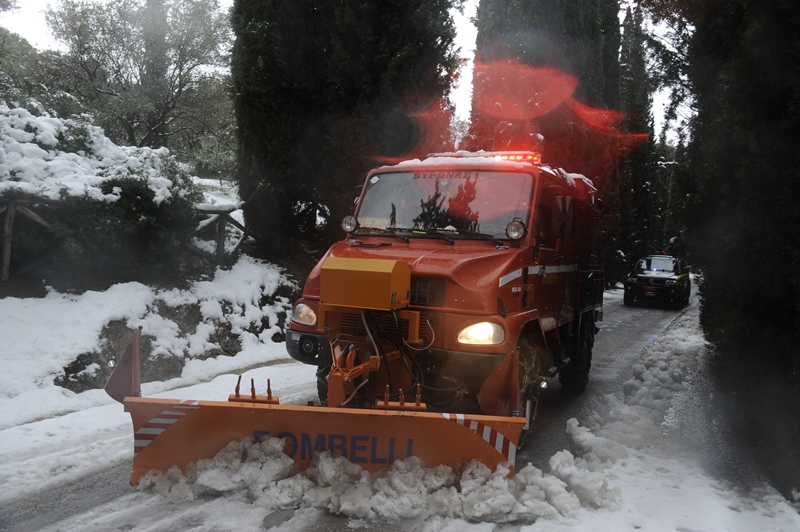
column 575, row 375
column 627, row 299
column 322, row 383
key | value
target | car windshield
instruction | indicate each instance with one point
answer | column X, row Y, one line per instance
column 656, row 264
column 469, row 202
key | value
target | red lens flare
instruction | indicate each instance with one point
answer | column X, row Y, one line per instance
column 509, row 90
column 517, row 107
column 520, row 107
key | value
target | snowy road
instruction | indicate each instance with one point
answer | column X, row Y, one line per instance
column 634, row 470
column 625, row 333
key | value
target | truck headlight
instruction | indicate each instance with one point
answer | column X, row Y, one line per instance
column 670, row 282
column 515, row 230
column 483, row 333
column 304, row 315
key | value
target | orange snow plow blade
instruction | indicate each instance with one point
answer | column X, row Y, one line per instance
column 171, row 432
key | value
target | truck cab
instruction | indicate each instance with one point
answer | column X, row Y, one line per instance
column 500, row 295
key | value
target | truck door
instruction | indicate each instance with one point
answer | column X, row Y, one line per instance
column 546, row 254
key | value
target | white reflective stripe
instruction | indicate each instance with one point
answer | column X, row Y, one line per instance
column 170, row 413
column 512, row 452
column 150, row 430
column 487, row 433
column 553, row 269
column 498, row 444
column 163, row 420
column 507, row 278
column 473, row 425
column 141, row 443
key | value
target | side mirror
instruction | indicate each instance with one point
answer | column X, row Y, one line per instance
column 356, row 195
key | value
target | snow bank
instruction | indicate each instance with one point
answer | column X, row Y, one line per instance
column 45, row 157
column 42, row 336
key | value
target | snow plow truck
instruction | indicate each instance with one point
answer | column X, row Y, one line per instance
column 463, row 287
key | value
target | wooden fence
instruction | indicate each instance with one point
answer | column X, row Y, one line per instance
column 219, row 217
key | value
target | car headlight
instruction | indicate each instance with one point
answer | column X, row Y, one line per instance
column 483, row 333
column 670, row 282
column 630, row 280
column 304, row 315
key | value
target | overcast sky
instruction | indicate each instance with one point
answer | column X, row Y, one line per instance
column 28, row 21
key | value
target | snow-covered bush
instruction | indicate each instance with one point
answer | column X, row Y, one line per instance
column 117, row 213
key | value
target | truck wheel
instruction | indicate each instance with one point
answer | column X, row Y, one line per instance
column 533, row 356
column 627, row 299
column 322, row 383
column 575, row 375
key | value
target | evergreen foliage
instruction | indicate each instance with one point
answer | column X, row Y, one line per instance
column 94, row 244
column 579, row 38
column 738, row 174
column 639, row 191
column 744, row 158
column 322, row 89
column 583, row 39
column 150, row 73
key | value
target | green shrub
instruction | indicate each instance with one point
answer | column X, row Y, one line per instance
column 96, row 243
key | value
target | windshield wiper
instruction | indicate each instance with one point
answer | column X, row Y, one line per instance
column 433, row 232
column 470, row 234
column 389, row 231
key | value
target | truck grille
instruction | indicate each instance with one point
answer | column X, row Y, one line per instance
column 351, row 324
column 646, row 281
column 427, row 292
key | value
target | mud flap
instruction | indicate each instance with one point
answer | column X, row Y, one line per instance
column 500, row 395
column 173, row 432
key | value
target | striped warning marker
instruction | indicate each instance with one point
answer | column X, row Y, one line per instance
column 500, row 443
column 153, row 428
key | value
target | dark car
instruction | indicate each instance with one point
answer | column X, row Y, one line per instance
column 659, row 278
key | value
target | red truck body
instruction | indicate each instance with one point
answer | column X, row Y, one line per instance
column 501, row 295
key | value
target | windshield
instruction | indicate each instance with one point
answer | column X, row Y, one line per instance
column 476, row 202
column 656, row 264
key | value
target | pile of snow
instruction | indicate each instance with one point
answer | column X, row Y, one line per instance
column 44, row 156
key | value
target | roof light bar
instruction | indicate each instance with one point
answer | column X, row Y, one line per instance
column 521, row 156
column 526, row 156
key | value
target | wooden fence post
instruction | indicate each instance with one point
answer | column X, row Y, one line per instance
column 8, row 225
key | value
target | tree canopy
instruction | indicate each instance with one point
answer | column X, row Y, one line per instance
column 151, row 71
column 324, row 91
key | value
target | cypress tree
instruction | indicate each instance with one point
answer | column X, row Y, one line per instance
column 743, row 213
column 642, row 193
column 323, row 91
column 580, row 39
